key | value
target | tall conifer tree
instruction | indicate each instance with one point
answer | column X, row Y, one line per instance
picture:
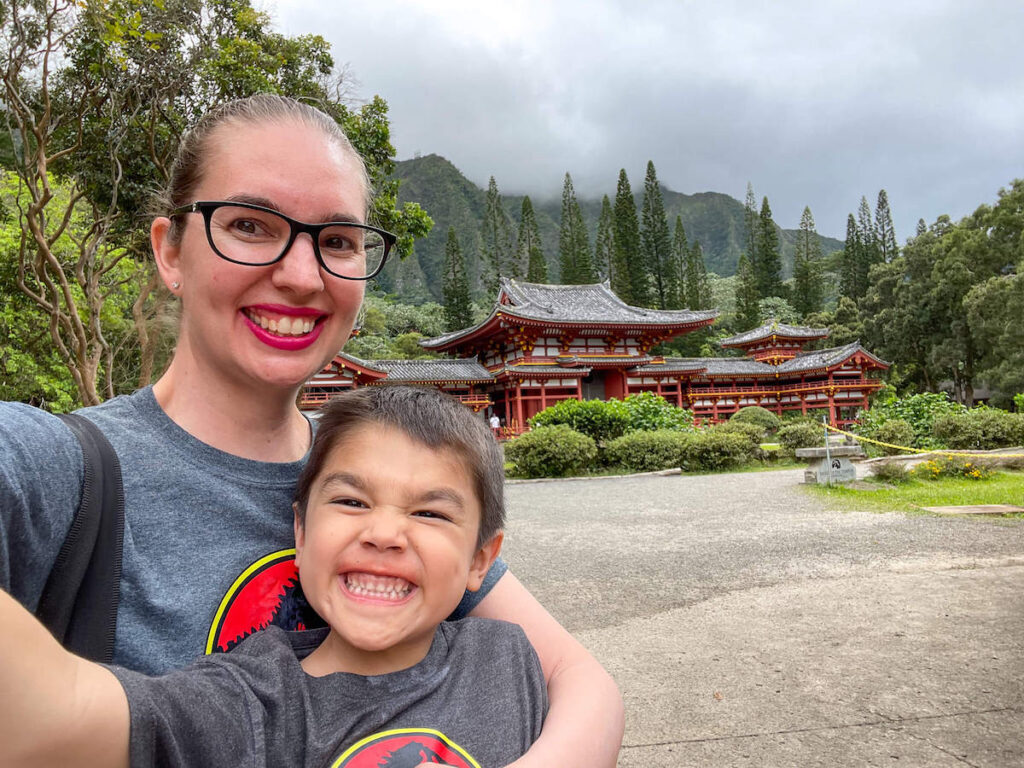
column 630, row 275
column 750, row 223
column 767, row 261
column 849, row 271
column 748, row 312
column 657, row 243
column 681, row 253
column 698, row 287
column 808, row 286
column 458, row 310
column 498, row 248
column 577, row 266
column 604, row 246
column 921, row 228
column 528, row 246
column 870, row 249
column 883, row 226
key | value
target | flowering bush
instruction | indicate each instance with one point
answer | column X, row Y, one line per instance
column 951, row 466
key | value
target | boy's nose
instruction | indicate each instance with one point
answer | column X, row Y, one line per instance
column 384, row 530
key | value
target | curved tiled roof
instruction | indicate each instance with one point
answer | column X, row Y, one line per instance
column 774, row 328
column 825, row 358
column 594, row 303
column 742, row 366
column 468, row 370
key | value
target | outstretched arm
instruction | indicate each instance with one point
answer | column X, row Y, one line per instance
column 57, row 709
column 586, row 717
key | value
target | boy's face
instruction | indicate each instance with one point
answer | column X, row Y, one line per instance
column 389, row 547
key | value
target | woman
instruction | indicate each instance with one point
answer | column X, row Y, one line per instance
column 210, row 453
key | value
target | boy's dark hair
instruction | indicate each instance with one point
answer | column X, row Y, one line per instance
column 429, row 417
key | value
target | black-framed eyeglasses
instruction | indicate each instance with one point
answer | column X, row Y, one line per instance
column 243, row 233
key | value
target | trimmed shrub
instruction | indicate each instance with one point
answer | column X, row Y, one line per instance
column 895, row 431
column 755, row 414
column 555, row 451
column 951, row 466
column 713, row 450
column 980, row 428
column 801, row 434
column 647, row 451
column 648, row 411
column 920, row 411
column 890, row 471
column 755, row 432
column 600, row 420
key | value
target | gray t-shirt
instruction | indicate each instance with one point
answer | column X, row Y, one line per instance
column 208, row 539
column 477, row 699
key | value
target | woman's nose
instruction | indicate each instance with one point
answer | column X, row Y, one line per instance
column 299, row 270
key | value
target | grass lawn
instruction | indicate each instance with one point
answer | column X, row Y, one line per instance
column 1003, row 488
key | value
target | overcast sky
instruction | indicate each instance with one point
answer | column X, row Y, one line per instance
column 815, row 103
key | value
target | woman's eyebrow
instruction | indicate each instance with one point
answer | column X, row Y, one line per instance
column 266, row 203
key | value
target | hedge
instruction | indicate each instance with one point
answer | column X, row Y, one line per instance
column 755, row 414
column 648, row 451
column 555, row 451
column 801, row 434
column 715, row 449
column 980, row 428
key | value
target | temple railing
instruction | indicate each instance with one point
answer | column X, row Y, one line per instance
column 771, row 390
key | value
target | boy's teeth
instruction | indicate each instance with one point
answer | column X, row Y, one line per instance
column 387, row 587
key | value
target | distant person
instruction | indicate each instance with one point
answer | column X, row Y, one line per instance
column 495, row 423
column 264, row 242
column 385, row 552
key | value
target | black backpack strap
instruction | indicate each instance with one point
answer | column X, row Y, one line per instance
column 79, row 601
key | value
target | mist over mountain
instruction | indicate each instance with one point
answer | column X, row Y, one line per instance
column 713, row 219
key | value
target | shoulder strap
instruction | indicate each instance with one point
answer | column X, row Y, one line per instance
column 79, row 601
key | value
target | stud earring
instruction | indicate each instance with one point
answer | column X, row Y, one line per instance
column 175, row 285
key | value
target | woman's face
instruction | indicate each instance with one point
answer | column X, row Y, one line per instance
column 274, row 325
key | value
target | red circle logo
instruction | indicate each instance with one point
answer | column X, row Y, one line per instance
column 405, row 748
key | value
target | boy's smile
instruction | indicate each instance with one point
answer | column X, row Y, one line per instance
column 388, row 547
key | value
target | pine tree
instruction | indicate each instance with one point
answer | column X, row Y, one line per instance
column 767, row 260
column 921, row 228
column 657, row 244
column 750, row 222
column 870, row 251
column 604, row 246
column 698, row 286
column 849, row 270
column 630, row 274
column 497, row 248
column 458, row 310
column 528, row 245
column 884, row 228
column 577, row 266
column 748, row 313
column 808, row 286
column 681, row 254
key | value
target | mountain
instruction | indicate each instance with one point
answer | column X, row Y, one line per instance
column 710, row 218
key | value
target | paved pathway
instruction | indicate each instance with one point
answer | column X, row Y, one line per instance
column 747, row 624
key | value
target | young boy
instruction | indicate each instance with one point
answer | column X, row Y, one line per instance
column 397, row 513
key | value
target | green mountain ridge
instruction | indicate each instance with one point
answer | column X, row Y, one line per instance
column 713, row 219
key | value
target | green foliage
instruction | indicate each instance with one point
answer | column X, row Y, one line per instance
column 601, row 420
column 712, row 450
column 1018, row 402
column 800, row 434
column 496, row 245
column 756, row 433
column 920, row 411
column 951, row 466
column 657, row 244
column 604, row 244
column 529, row 249
column 894, row 432
column 551, row 451
column 808, row 281
column 458, row 308
column 755, row 414
column 629, row 276
column 577, row 266
column 894, row 472
column 647, row 451
column 748, row 311
column 980, row 428
column 390, row 330
column 767, row 258
column 648, row 411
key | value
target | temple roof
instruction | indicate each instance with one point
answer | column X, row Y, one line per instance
column 590, row 304
column 468, row 370
column 825, row 358
column 741, row 366
column 774, row 328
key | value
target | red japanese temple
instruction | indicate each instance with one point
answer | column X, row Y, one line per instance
column 545, row 343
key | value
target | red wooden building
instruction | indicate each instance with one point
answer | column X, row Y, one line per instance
column 545, row 343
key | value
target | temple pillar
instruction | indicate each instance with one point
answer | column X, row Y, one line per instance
column 519, row 405
column 543, row 394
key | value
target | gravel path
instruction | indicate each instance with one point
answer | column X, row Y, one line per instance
column 749, row 625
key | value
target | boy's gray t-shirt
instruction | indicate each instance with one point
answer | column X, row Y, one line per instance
column 207, row 556
column 477, row 699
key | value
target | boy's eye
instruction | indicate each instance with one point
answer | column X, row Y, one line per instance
column 432, row 514
column 348, row 501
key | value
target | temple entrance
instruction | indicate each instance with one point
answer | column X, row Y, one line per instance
column 593, row 386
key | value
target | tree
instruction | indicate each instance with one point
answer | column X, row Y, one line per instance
column 885, row 231
column 573, row 244
column 657, row 244
column 748, row 312
column 497, row 249
column 777, row 308
column 767, row 259
column 808, row 284
column 629, row 277
column 96, row 97
column 870, row 246
column 852, row 282
column 528, row 246
column 921, row 228
column 458, row 309
column 604, row 246
column 698, row 287
column 750, row 222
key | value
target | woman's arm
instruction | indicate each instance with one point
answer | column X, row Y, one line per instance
column 57, row 709
column 586, row 717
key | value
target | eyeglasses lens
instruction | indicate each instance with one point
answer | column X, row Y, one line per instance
column 258, row 237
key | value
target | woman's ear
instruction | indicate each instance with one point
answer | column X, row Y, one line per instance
column 482, row 561
column 166, row 253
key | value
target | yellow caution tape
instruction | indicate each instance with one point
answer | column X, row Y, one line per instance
column 916, row 451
